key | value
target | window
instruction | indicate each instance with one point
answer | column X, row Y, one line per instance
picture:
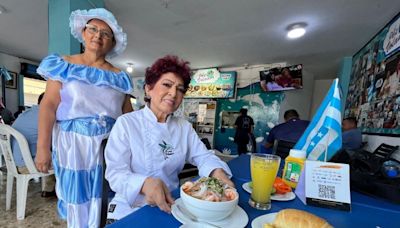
column 32, row 89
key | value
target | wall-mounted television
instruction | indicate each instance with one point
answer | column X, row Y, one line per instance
column 282, row 78
column 210, row 83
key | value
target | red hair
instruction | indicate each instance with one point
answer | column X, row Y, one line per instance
column 168, row 64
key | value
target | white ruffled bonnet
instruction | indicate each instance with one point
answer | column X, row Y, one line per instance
column 79, row 18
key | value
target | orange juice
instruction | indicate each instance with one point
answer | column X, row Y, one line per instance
column 264, row 168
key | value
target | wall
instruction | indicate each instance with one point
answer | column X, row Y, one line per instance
column 262, row 107
column 344, row 78
column 266, row 108
column 299, row 99
column 12, row 63
column 138, row 91
column 295, row 99
column 321, row 87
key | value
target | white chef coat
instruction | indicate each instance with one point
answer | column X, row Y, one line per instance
column 140, row 147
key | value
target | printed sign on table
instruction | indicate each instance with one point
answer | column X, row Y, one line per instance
column 328, row 185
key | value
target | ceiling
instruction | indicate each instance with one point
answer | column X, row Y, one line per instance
column 217, row 33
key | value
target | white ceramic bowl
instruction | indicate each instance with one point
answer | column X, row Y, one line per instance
column 207, row 210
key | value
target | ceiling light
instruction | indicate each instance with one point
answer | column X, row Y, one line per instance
column 296, row 30
column 129, row 68
column 2, row 9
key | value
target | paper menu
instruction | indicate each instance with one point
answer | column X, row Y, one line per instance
column 327, row 184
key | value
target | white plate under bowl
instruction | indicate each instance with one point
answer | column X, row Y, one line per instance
column 263, row 219
column 277, row 197
column 238, row 218
column 196, row 225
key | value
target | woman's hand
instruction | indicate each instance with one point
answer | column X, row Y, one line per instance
column 43, row 160
column 221, row 175
column 157, row 193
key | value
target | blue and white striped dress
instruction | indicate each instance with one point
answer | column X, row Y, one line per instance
column 91, row 100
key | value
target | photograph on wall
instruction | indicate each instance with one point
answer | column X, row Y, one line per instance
column 374, row 90
column 282, row 78
column 12, row 84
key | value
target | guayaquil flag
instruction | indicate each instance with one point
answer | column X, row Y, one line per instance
column 323, row 136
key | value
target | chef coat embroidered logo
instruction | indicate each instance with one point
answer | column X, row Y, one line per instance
column 166, row 149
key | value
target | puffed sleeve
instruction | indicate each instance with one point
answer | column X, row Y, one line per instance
column 205, row 160
column 118, row 157
column 54, row 67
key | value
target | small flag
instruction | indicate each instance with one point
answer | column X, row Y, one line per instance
column 323, row 136
column 4, row 72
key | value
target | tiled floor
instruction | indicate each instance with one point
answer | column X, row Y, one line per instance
column 40, row 212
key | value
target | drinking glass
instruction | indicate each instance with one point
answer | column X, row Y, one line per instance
column 264, row 168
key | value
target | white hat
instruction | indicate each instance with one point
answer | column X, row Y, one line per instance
column 79, row 18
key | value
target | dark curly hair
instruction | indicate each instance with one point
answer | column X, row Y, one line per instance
column 168, row 64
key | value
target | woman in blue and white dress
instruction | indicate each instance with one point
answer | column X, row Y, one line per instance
column 84, row 96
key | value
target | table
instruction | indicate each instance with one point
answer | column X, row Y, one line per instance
column 366, row 211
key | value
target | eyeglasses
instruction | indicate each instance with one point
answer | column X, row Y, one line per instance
column 92, row 29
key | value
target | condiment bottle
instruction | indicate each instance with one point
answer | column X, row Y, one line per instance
column 293, row 166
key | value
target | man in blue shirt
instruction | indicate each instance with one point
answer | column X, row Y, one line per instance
column 351, row 135
column 27, row 125
column 290, row 131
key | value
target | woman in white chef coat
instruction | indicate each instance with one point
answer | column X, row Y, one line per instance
column 147, row 149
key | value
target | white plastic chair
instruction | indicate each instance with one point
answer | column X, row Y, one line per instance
column 22, row 179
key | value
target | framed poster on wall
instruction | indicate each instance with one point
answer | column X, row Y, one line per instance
column 374, row 90
column 210, row 83
column 12, row 84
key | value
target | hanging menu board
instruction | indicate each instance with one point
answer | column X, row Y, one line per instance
column 210, row 83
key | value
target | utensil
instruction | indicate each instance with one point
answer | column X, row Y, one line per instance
column 192, row 217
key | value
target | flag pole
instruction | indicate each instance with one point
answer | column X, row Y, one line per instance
column 326, row 146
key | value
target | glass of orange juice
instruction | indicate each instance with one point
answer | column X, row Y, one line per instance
column 264, row 168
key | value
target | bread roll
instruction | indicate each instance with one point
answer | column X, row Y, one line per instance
column 292, row 218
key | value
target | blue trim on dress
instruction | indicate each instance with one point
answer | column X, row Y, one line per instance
column 89, row 126
column 62, row 209
column 56, row 68
column 77, row 186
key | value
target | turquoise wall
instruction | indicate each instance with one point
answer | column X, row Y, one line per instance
column 262, row 106
column 60, row 39
column 344, row 78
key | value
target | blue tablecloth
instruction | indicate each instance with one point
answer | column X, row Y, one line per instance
column 366, row 211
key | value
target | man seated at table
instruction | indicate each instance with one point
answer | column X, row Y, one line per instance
column 291, row 130
column 27, row 125
column 351, row 135
column 148, row 148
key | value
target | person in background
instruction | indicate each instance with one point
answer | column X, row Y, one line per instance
column 268, row 83
column 351, row 135
column 284, row 79
column 291, row 130
column 5, row 114
column 84, row 96
column 148, row 148
column 244, row 128
column 27, row 125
